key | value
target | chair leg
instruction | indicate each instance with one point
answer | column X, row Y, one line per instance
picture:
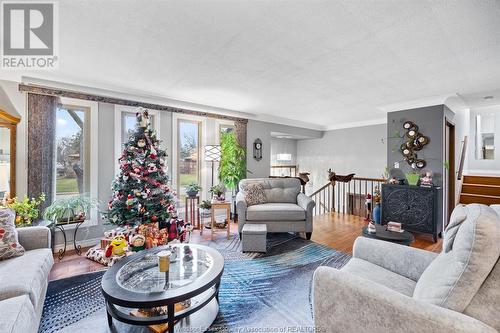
column 308, row 235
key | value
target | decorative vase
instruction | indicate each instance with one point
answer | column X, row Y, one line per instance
column 376, row 213
column 412, row 178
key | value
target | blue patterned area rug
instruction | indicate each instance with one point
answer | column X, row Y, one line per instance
column 271, row 290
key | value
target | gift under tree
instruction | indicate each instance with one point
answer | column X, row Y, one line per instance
column 141, row 194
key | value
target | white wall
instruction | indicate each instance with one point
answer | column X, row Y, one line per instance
column 262, row 130
column 283, row 146
column 357, row 150
column 476, row 166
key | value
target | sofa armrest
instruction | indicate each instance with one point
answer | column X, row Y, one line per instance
column 306, row 202
column 241, row 208
column 32, row 238
column 403, row 260
column 344, row 302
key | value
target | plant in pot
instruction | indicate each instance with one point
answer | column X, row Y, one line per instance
column 26, row 210
column 218, row 193
column 205, row 207
column 192, row 190
column 232, row 166
column 70, row 210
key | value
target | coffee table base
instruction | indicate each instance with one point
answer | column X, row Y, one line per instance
column 199, row 321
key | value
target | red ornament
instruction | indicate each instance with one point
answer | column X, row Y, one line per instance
column 154, row 218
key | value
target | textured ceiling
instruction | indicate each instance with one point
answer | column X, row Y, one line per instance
column 326, row 63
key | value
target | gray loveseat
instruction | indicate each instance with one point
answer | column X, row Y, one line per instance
column 387, row 287
column 23, row 282
column 286, row 210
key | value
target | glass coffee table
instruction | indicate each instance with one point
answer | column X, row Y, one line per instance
column 186, row 299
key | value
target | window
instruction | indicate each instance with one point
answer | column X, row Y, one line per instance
column 188, row 154
column 125, row 119
column 223, row 128
column 72, row 151
column 128, row 121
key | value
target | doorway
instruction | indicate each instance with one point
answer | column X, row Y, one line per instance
column 449, row 175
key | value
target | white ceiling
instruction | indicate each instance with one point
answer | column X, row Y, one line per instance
column 321, row 64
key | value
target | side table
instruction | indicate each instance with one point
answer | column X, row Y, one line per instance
column 227, row 207
column 193, row 211
column 403, row 238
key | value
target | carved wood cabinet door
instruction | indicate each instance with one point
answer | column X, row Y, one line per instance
column 414, row 207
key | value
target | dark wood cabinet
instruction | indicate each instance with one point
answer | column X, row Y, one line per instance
column 414, row 207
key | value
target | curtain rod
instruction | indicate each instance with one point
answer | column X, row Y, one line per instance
column 41, row 90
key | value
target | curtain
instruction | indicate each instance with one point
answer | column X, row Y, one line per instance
column 41, row 146
column 241, row 132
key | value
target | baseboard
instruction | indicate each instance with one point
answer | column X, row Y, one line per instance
column 482, row 173
column 83, row 243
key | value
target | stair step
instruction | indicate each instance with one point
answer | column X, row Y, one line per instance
column 481, row 189
column 478, row 198
column 485, row 180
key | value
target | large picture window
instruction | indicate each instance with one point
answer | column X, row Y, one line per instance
column 128, row 121
column 72, row 151
column 188, row 150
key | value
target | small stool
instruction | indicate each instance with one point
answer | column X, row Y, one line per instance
column 254, row 238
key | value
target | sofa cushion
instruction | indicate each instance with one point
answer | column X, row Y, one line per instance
column 26, row 275
column 9, row 245
column 380, row 275
column 18, row 315
column 276, row 212
column 454, row 277
column 276, row 189
column 254, row 194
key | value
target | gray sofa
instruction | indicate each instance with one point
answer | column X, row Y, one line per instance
column 393, row 288
column 23, row 282
column 286, row 210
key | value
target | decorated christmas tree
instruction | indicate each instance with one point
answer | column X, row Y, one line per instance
column 141, row 193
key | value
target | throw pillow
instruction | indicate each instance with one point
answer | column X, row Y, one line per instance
column 9, row 245
column 254, row 194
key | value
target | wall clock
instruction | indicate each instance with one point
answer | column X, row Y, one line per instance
column 257, row 149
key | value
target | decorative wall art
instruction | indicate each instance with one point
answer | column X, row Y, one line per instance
column 415, row 141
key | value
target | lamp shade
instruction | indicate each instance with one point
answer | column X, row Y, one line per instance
column 212, row 153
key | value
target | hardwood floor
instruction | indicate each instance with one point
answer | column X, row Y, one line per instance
column 340, row 230
column 334, row 230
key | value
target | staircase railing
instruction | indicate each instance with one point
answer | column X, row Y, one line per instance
column 345, row 197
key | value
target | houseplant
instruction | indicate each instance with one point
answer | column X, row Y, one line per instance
column 218, row 192
column 26, row 210
column 71, row 209
column 192, row 190
column 232, row 167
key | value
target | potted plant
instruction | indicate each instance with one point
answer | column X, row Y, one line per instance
column 192, row 190
column 218, row 193
column 232, row 167
column 70, row 210
column 205, row 207
column 26, row 210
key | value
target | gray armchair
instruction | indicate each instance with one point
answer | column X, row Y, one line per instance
column 286, row 210
column 387, row 287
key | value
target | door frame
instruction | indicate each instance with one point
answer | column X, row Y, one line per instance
column 449, row 142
